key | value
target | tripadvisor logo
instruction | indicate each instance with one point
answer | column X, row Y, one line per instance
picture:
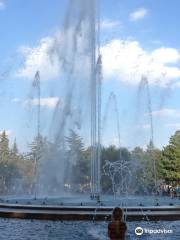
column 139, row 231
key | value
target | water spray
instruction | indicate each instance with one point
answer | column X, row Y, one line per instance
column 36, row 84
column 96, row 75
column 145, row 84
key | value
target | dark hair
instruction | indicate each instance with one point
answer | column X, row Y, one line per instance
column 117, row 214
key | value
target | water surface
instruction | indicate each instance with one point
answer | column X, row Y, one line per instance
column 15, row 229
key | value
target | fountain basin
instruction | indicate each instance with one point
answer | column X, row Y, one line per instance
column 90, row 213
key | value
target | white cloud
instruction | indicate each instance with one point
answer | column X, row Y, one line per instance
column 2, row 5
column 38, row 58
column 123, row 60
column 166, row 55
column 63, row 52
column 166, row 112
column 110, row 24
column 127, row 61
column 138, row 14
column 49, row 102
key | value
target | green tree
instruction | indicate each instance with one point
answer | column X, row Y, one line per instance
column 9, row 171
column 4, row 157
column 37, row 148
column 113, row 154
column 110, row 153
column 149, row 166
column 33, row 159
column 170, row 162
column 4, row 148
column 138, row 169
column 14, row 153
column 78, row 160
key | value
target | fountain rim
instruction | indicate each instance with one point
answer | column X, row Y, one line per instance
column 87, row 213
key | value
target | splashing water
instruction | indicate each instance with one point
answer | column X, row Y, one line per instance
column 144, row 87
column 80, row 65
column 118, row 171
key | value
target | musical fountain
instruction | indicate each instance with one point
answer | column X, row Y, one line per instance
column 78, row 109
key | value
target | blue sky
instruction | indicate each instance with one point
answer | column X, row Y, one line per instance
column 138, row 38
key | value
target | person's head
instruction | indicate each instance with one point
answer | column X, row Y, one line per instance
column 117, row 214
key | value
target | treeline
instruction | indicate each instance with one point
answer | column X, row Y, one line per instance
column 16, row 169
column 134, row 172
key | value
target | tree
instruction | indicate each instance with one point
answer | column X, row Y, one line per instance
column 146, row 173
column 4, row 157
column 37, row 148
column 115, row 168
column 8, row 165
column 110, row 153
column 139, row 170
column 31, row 161
column 78, row 160
column 13, row 153
column 170, row 162
column 151, row 174
column 4, row 148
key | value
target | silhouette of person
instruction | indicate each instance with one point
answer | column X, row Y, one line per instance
column 117, row 228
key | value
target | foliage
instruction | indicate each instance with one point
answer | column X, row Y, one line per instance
column 170, row 160
column 18, row 175
column 78, row 160
column 8, row 168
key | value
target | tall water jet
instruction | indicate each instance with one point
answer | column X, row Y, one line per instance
column 96, row 130
column 37, row 86
column 144, row 86
column 77, row 50
column 112, row 99
column 96, row 74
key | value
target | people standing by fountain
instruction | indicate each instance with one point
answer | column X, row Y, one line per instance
column 117, row 228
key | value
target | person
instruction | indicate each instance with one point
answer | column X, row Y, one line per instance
column 117, row 228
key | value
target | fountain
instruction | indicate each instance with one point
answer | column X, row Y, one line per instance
column 118, row 171
column 144, row 86
column 77, row 116
column 80, row 40
column 122, row 173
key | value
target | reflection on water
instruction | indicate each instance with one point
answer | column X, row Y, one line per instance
column 14, row 229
